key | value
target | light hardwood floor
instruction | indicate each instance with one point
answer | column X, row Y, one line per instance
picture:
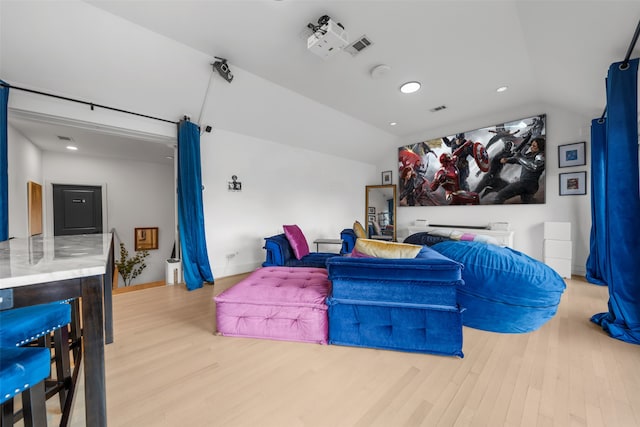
column 167, row 368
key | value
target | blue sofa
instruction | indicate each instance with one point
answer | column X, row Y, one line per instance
column 280, row 253
column 396, row 304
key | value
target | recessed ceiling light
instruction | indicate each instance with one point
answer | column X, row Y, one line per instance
column 502, row 89
column 410, row 87
column 72, row 147
column 393, row 123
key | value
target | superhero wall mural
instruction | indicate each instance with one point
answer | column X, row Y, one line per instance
column 500, row 164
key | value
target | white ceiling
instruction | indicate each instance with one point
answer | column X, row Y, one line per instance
column 51, row 135
column 552, row 52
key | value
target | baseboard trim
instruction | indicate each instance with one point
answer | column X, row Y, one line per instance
column 138, row 287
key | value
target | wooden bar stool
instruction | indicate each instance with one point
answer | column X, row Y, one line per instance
column 23, row 370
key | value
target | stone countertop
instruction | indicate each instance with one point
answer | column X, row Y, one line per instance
column 26, row 261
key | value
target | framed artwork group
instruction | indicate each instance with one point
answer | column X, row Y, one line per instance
column 572, row 183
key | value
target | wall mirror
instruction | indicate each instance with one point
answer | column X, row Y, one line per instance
column 380, row 212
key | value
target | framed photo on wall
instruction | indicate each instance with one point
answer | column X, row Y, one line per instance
column 571, row 155
column 574, row 183
column 371, row 210
column 386, row 177
column 146, row 238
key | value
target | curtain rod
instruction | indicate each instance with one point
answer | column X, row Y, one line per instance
column 91, row 104
column 625, row 62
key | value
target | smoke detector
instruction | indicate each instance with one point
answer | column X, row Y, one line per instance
column 380, row 71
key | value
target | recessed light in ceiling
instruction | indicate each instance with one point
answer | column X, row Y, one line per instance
column 393, row 123
column 502, row 89
column 410, row 87
column 72, row 147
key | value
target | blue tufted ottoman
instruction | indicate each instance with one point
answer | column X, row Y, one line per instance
column 396, row 304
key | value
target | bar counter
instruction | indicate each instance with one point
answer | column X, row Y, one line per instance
column 38, row 270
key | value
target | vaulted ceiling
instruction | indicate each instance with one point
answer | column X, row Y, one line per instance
column 556, row 51
column 552, row 52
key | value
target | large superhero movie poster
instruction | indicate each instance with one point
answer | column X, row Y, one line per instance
column 500, row 164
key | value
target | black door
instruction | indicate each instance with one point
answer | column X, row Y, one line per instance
column 77, row 209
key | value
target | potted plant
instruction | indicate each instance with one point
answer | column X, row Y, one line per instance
column 130, row 268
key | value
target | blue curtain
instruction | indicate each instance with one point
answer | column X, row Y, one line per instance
column 597, row 254
column 195, row 259
column 620, row 238
column 4, row 166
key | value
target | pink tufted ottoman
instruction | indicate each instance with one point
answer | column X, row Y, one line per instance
column 280, row 303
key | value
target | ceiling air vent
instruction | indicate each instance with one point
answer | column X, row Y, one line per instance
column 359, row 45
column 438, row 108
column 64, row 138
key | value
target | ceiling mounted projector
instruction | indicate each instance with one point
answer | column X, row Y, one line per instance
column 328, row 37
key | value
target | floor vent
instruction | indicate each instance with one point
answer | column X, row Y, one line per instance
column 359, row 45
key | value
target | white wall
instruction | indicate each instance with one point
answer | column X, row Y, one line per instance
column 138, row 194
column 24, row 164
column 321, row 193
column 563, row 127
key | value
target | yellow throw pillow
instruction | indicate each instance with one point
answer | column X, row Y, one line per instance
column 382, row 249
column 359, row 230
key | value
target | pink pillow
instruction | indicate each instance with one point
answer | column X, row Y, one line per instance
column 297, row 240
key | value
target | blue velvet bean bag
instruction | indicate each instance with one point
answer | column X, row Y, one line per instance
column 505, row 290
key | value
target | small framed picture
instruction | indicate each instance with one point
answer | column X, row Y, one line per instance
column 371, row 210
column 571, row 155
column 146, row 238
column 371, row 219
column 386, row 177
column 574, row 183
